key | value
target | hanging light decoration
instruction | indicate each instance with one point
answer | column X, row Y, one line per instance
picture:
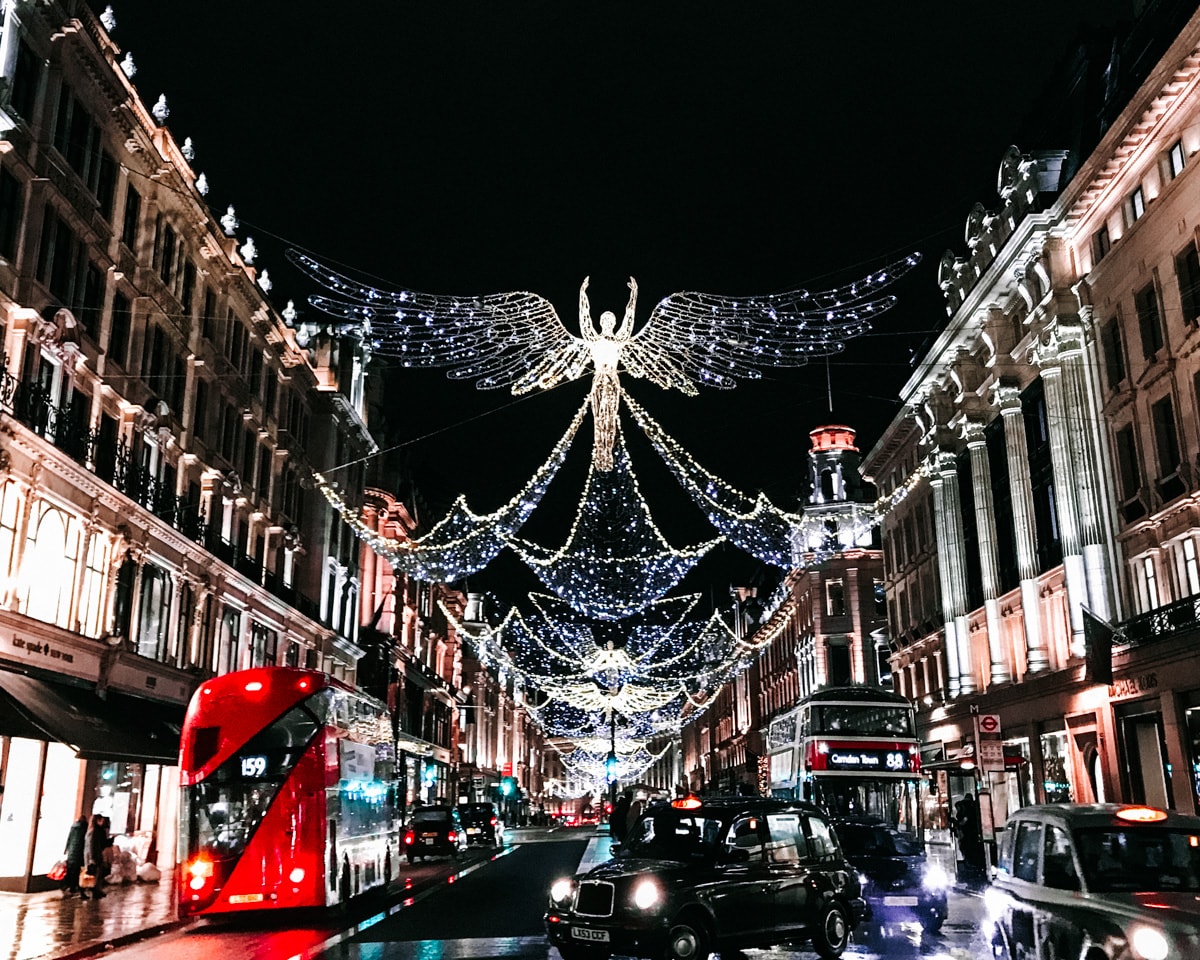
column 463, row 542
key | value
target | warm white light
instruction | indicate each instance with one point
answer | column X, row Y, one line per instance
column 1149, row 944
column 646, row 894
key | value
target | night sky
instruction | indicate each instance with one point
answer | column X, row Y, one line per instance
column 733, row 148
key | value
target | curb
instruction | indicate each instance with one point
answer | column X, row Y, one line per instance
column 95, row 947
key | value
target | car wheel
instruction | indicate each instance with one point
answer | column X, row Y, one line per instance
column 411, row 858
column 831, row 931
column 687, row 940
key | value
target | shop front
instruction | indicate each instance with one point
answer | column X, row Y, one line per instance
column 65, row 751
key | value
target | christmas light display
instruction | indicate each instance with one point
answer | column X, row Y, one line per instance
column 517, row 340
column 615, row 561
column 463, row 542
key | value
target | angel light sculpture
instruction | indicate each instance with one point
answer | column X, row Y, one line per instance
column 517, row 340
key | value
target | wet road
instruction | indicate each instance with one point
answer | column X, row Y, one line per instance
column 490, row 905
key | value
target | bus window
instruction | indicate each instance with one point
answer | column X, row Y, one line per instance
column 863, row 720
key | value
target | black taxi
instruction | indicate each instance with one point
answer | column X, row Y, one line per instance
column 1097, row 881
column 695, row 876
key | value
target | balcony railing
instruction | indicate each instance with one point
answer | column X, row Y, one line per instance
column 114, row 462
column 1175, row 618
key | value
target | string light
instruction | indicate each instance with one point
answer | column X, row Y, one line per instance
column 615, row 561
column 463, row 542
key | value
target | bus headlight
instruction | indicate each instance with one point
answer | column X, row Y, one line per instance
column 560, row 893
column 935, row 879
column 1149, row 944
column 646, row 894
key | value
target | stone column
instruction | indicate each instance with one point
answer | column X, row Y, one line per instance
column 952, row 568
column 368, row 600
column 1086, row 453
column 1066, row 485
column 1024, row 528
column 989, row 558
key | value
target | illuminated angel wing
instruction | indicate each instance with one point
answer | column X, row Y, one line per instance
column 498, row 340
column 703, row 338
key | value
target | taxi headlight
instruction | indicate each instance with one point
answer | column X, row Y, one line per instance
column 1149, row 944
column 935, row 878
column 561, row 891
column 646, row 894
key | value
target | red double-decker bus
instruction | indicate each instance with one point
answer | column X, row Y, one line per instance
column 854, row 752
column 289, row 795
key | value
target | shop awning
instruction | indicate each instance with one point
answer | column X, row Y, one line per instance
column 84, row 721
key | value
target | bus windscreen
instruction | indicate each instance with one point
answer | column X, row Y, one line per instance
column 863, row 720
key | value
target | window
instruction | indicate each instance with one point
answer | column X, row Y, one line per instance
column 264, row 645
column 1165, row 437
column 835, row 598
column 1027, row 851
column 166, row 255
column 26, row 77
column 229, row 652
column 1114, row 353
column 1137, row 205
column 1101, row 244
column 1058, row 862
column 1187, row 270
column 788, row 844
column 1176, row 160
column 200, row 411
column 208, row 322
column 131, row 222
column 12, row 199
column 91, row 600
column 1127, row 463
column 1191, row 570
column 1146, row 303
column 1150, row 583
column 49, row 564
column 154, row 619
column 118, row 334
column 821, row 843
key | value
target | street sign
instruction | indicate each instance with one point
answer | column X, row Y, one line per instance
column 991, row 755
column 989, row 723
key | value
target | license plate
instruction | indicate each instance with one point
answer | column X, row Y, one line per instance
column 429, row 841
column 246, row 898
column 900, row 901
column 583, row 933
column 471, row 830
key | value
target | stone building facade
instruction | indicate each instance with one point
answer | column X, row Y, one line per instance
column 1043, row 469
column 158, row 419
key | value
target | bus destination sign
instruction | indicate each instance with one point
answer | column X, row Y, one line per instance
column 881, row 761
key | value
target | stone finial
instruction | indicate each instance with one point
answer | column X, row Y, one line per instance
column 128, row 66
column 160, row 109
column 264, row 281
column 248, row 250
column 109, row 19
column 229, row 222
column 188, row 149
column 202, row 185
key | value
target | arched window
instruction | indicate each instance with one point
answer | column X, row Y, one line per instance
column 48, row 567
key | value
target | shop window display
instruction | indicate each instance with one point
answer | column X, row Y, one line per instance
column 1056, row 765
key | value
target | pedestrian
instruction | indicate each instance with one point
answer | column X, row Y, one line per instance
column 970, row 834
column 95, row 843
column 618, row 823
column 73, row 854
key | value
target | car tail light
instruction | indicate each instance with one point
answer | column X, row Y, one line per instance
column 494, row 821
column 452, row 836
column 409, row 838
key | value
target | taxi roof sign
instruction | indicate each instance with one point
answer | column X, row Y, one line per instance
column 690, row 802
column 1141, row 814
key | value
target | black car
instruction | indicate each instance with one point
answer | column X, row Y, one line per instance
column 1101, row 881
column 434, row 831
column 481, row 822
column 721, row 874
column 898, row 882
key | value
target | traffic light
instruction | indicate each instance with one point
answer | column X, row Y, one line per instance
column 610, row 768
column 508, row 786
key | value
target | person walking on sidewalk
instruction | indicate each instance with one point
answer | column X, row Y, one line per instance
column 94, row 845
column 73, row 854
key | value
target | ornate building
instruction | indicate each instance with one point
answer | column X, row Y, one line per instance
column 822, row 625
column 157, row 420
column 1046, row 447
